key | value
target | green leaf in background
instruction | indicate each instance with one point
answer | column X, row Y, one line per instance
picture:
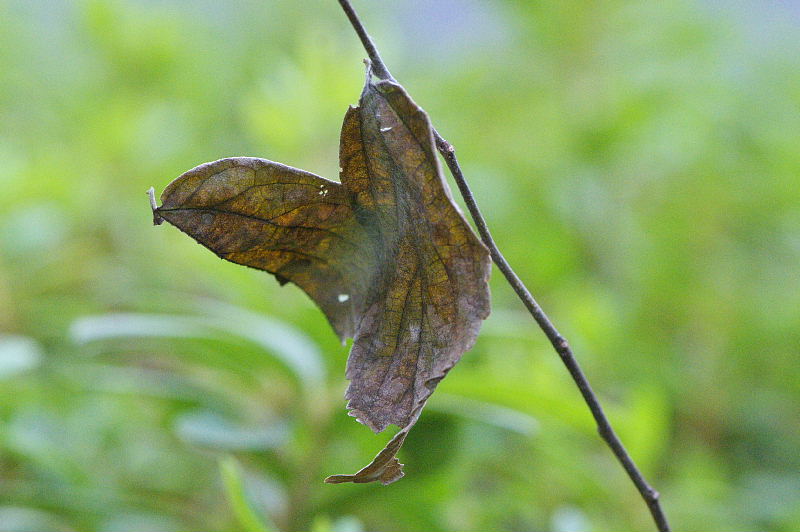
column 210, row 429
column 235, row 489
column 285, row 343
column 15, row 519
column 18, row 355
column 345, row 523
column 485, row 412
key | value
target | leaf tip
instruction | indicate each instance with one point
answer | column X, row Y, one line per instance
column 157, row 219
column 339, row 479
column 386, row 475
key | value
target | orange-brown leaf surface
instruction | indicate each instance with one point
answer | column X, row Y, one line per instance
column 386, row 254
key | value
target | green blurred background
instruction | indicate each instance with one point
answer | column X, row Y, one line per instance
column 638, row 163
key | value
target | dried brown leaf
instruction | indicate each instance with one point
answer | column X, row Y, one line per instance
column 386, row 254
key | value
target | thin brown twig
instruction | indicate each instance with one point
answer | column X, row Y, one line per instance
column 650, row 495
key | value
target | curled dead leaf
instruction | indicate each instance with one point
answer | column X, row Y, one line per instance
column 386, row 254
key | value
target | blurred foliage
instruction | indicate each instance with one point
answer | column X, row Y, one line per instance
column 639, row 164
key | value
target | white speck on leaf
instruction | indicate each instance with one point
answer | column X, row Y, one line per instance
column 385, row 129
column 343, row 297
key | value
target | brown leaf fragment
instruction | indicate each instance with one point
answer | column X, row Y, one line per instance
column 384, row 467
column 386, row 254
